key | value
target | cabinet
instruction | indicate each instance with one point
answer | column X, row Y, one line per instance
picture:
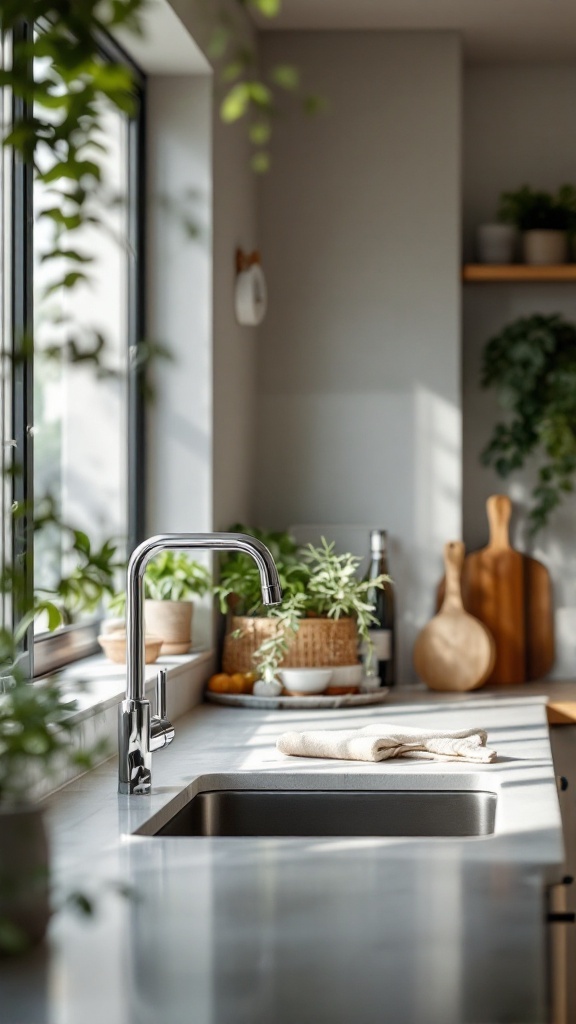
column 563, row 897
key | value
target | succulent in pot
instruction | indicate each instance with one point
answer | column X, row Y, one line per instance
column 323, row 617
column 545, row 221
column 172, row 579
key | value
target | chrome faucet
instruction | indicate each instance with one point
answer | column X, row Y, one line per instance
column 139, row 733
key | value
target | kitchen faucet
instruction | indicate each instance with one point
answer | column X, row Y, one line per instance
column 138, row 732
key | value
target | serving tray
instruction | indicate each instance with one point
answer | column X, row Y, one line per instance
column 320, row 701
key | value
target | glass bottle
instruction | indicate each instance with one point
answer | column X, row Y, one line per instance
column 382, row 633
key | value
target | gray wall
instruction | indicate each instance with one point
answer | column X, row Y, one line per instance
column 234, row 347
column 519, row 127
column 359, row 368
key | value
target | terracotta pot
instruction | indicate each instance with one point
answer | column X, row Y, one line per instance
column 24, row 874
column 172, row 621
column 545, row 248
column 114, row 647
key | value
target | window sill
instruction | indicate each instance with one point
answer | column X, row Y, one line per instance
column 98, row 685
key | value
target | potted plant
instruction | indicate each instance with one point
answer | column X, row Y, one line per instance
column 545, row 221
column 172, row 579
column 37, row 737
column 323, row 618
column 532, row 366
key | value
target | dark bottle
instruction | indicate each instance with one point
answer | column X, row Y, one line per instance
column 382, row 601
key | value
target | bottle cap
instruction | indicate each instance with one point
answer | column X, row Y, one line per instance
column 377, row 541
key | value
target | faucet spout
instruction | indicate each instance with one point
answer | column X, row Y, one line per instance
column 135, row 728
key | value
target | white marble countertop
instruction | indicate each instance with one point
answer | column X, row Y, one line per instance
column 303, row 931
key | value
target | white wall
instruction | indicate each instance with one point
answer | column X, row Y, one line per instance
column 201, row 426
column 179, row 303
column 518, row 129
column 359, row 396
column 201, row 432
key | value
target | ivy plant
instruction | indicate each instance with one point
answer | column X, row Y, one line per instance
column 532, row 366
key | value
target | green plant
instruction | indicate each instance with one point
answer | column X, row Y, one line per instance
column 170, row 577
column 530, row 210
column 247, row 92
column 315, row 582
column 532, row 366
column 239, row 588
column 36, row 736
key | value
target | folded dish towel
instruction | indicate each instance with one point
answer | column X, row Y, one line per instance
column 384, row 740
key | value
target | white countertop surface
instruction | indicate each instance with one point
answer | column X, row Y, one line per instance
column 291, row 931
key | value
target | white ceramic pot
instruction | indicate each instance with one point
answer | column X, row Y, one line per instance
column 545, row 248
column 172, row 621
column 267, row 688
column 24, row 872
column 496, row 243
column 305, row 681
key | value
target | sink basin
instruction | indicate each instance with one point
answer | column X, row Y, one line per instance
column 293, row 813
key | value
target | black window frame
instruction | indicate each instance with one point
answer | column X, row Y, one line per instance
column 48, row 652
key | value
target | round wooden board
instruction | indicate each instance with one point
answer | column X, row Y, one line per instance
column 454, row 651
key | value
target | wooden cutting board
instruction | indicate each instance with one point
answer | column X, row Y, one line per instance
column 454, row 651
column 511, row 594
column 539, row 619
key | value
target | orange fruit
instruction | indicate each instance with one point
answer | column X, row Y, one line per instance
column 249, row 680
column 236, row 683
column 219, row 683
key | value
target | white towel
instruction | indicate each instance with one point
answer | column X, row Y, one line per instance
column 384, row 740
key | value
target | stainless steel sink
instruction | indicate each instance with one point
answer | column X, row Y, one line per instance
column 293, row 813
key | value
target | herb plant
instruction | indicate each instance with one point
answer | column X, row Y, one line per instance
column 530, row 210
column 532, row 366
column 315, row 582
column 239, row 588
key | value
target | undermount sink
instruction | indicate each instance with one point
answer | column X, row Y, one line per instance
column 305, row 813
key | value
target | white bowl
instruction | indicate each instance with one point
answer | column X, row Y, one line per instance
column 303, row 681
column 347, row 675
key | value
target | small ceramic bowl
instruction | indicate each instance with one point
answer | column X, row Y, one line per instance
column 347, row 675
column 345, row 679
column 302, row 682
column 114, row 647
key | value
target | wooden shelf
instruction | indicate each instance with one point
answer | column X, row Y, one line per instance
column 487, row 272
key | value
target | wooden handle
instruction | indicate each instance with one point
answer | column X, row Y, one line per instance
column 245, row 260
column 453, row 561
column 499, row 509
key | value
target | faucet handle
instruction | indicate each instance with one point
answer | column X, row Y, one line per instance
column 161, row 693
column 161, row 730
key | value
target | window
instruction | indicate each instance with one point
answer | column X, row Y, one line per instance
column 76, row 399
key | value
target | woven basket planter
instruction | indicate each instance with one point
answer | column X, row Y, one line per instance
column 318, row 642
